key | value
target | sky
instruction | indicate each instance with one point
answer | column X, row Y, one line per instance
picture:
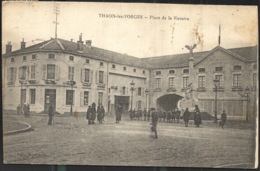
column 146, row 35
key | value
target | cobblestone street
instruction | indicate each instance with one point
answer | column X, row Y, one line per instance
column 73, row 141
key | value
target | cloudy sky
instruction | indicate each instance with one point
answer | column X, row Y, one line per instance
column 143, row 36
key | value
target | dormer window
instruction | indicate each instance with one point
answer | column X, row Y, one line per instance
column 201, row 70
column 24, row 58
column 219, row 69
column 143, row 71
column 87, row 61
column 101, row 64
column 134, row 70
column 158, row 72
column 113, row 66
column 172, row 71
column 33, row 56
column 237, row 68
column 124, row 68
column 12, row 59
column 71, row 58
column 185, row 71
column 51, row 56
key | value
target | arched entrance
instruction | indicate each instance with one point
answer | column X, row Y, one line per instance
column 168, row 101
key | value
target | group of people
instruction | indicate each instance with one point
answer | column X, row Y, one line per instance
column 93, row 114
column 24, row 109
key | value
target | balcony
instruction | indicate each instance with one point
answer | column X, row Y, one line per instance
column 237, row 89
column 50, row 81
column 32, row 81
column 218, row 89
column 157, row 90
column 171, row 89
column 101, row 86
column 201, row 89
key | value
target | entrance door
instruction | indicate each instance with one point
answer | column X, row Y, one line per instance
column 23, row 97
column 122, row 101
column 50, row 98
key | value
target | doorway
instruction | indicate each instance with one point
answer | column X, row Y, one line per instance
column 50, row 98
column 122, row 101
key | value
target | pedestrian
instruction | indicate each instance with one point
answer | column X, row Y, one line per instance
column 131, row 114
column 93, row 113
column 89, row 115
column 178, row 114
column 186, row 117
column 154, row 115
column 99, row 114
column 102, row 113
column 148, row 114
column 197, row 116
column 145, row 113
column 169, row 115
column 51, row 114
column 118, row 113
column 223, row 119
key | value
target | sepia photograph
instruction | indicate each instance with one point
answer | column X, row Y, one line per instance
column 130, row 84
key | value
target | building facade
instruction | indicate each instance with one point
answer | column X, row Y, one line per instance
column 76, row 74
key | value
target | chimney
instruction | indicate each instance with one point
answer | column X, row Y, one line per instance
column 88, row 42
column 80, row 43
column 23, row 44
column 8, row 48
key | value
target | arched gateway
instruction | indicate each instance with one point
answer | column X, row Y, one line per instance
column 168, row 101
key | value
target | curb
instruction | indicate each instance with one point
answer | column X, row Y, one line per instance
column 29, row 128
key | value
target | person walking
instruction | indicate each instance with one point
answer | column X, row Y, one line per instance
column 51, row 114
column 186, row 117
column 99, row 114
column 223, row 119
column 148, row 114
column 197, row 116
column 154, row 115
column 178, row 114
column 118, row 113
column 89, row 115
column 102, row 113
column 93, row 113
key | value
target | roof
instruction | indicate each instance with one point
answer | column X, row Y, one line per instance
column 159, row 62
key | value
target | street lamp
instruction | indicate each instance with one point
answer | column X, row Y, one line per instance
column 216, row 83
column 146, row 93
column 71, row 83
column 247, row 90
column 132, row 84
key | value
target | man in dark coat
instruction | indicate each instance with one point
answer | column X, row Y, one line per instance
column 186, row 117
column 178, row 114
column 223, row 119
column 197, row 116
column 89, row 115
column 51, row 113
column 94, row 113
column 154, row 115
column 145, row 113
column 148, row 114
column 102, row 113
column 118, row 113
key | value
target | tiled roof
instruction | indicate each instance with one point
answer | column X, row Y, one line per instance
column 159, row 62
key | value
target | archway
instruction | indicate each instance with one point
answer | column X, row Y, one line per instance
column 168, row 102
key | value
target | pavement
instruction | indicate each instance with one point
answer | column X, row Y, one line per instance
column 71, row 141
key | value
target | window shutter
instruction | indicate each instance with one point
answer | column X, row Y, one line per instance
column 97, row 77
column 35, row 71
column 26, row 70
column 8, row 75
column 57, row 72
column 14, row 74
column 82, row 98
column 44, row 72
column 20, row 72
column 83, row 75
column 29, row 72
column 90, row 76
column 143, row 93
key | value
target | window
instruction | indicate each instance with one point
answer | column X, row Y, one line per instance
column 12, row 73
column 237, row 80
column 172, row 71
column 100, row 98
column 139, row 104
column 33, row 56
column 33, row 72
column 86, row 95
column 101, row 77
column 124, row 92
column 71, row 58
column 113, row 66
column 50, row 71
column 69, row 97
column 201, row 70
column 101, row 64
column 71, row 73
column 51, row 56
column 220, row 78
column 87, row 75
column 202, row 81
column 185, row 71
column 23, row 72
column 134, row 70
column 143, row 71
column 24, row 58
column 87, row 61
column 12, row 59
column 185, row 82
column 158, row 73
column 124, row 68
column 237, row 67
column 32, row 96
column 158, row 83
column 254, row 66
column 139, row 92
column 219, row 69
column 254, row 80
column 171, row 82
